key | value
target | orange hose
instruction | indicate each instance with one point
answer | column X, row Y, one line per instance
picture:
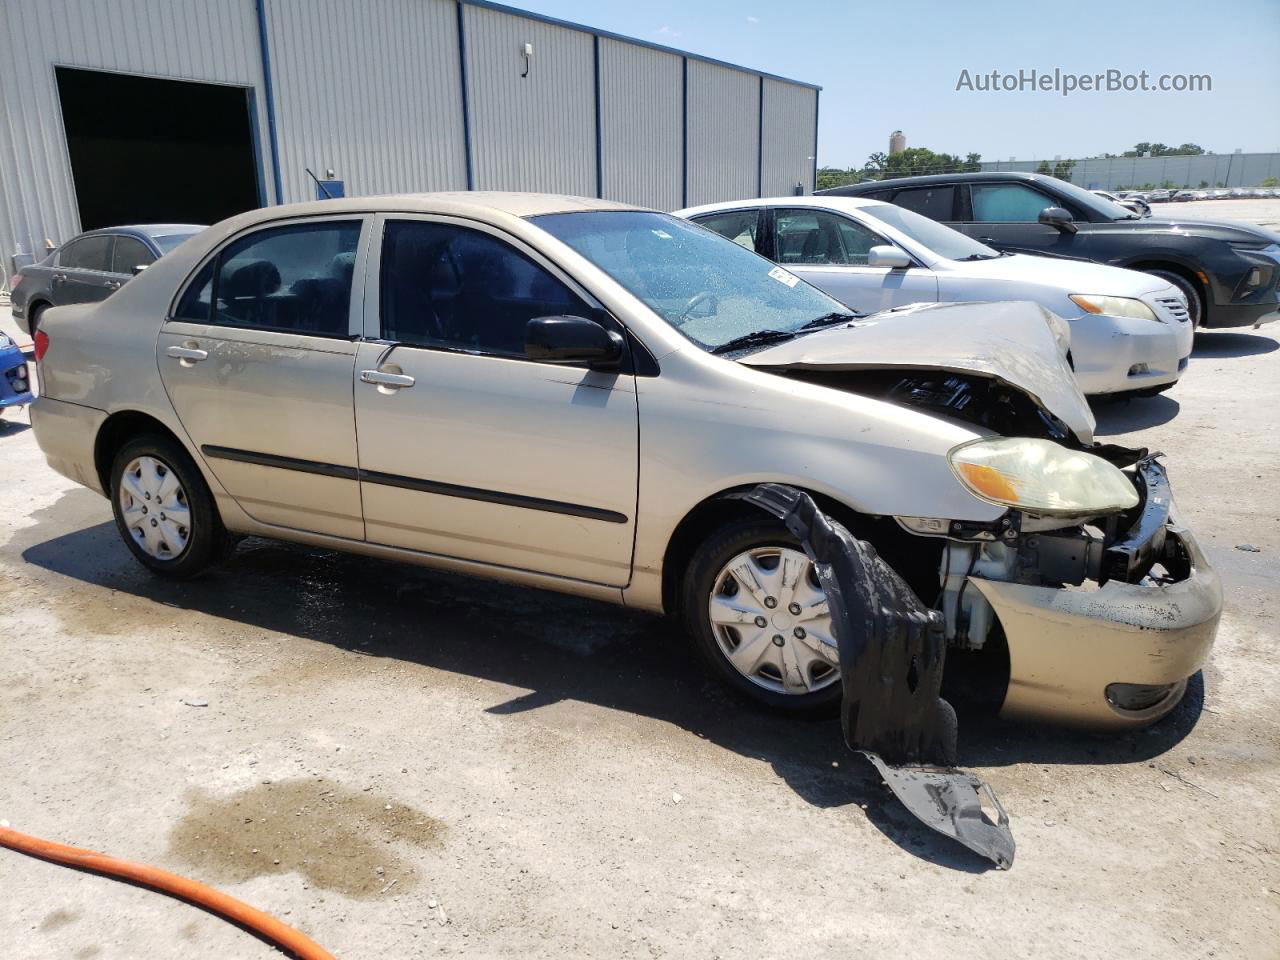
column 163, row 881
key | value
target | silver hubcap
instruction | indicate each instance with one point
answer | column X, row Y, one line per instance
column 771, row 621
column 154, row 507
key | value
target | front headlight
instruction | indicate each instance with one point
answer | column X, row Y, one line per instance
column 1041, row 477
column 1114, row 306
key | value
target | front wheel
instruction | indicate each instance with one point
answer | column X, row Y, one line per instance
column 163, row 508
column 758, row 616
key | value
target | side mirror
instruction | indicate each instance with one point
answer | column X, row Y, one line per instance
column 1059, row 219
column 139, row 267
column 572, row 340
column 885, row 255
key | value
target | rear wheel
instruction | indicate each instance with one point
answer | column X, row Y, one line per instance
column 759, row 619
column 33, row 318
column 163, row 508
column 1195, row 302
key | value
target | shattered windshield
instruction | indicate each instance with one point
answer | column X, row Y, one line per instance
column 710, row 289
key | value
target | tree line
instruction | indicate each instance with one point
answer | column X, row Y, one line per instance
column 919, row 161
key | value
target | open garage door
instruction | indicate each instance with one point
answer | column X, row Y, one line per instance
column 145, row 150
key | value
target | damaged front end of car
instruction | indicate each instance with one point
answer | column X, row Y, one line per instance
column 1079, row 574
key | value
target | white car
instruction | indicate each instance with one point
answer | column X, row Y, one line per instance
column 1129, row 330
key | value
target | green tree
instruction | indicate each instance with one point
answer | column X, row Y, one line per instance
column 1061, row 169
column 1160, row 150
column 910, row 162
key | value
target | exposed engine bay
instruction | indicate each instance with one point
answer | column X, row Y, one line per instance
column 970, row 398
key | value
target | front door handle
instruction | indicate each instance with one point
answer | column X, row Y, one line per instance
column 188, row 355
column 380, row 379
column 986, row 239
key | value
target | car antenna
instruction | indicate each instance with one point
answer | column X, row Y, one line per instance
column 320, row 184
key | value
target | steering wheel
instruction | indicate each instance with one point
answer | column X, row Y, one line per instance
column 692, row 304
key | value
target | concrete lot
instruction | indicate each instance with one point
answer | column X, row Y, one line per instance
column 403, row 763
column 512, row 760
column 1263, row 212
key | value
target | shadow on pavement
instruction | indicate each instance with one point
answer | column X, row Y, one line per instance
column 11, row 428
column 1127, row 414
column 1232, row 345
column 559, row 648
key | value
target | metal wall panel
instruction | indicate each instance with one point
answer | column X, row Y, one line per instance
column 372, row 90
column 790, row 138
column 1127, row 173
column 535, row 132
column 724, row 133
column 215, row 42
column 641, row 124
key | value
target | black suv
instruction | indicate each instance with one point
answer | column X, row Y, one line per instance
column 1229, row 271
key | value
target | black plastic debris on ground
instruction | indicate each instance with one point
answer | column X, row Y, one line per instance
column 892, row 652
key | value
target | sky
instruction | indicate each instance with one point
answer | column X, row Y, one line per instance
column 888, row 66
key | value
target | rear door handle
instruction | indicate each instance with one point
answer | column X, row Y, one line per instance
column 113, row 284
column 380, row 379
column 188, row 355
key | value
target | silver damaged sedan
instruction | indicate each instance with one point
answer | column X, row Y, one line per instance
column 568, row 393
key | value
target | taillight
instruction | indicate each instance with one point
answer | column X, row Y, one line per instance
column 41, row 341
column 14, row 281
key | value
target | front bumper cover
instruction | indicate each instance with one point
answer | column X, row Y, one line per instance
column 1066, row 646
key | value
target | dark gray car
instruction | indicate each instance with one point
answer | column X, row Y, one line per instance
column 92, row 266
column 1228, row 270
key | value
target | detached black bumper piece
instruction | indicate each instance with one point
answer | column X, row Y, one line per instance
column 892, row 652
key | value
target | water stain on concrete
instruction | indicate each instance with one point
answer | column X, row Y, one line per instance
column 87, row 953
column 338, row 838
column 57, row 920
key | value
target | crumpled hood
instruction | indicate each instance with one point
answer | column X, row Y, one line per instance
column 1008, row 341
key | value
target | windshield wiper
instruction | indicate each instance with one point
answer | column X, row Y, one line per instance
column 831, row 319
column 981, row 256
column 753, row 339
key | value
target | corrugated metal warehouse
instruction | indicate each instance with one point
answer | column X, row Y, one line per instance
column 191, row 110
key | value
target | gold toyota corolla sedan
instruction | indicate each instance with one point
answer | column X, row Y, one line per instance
column 570, row 394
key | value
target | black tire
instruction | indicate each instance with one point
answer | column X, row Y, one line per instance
column 33, row 319
column 1195, row 301
column 717, row 550
column 207, row 540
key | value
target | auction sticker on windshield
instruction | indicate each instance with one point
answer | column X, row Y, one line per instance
column 783, row 277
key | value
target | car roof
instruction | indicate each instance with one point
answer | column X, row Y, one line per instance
column 146, row 231
column 828, row 200
column 924, row 181
column 461, row 202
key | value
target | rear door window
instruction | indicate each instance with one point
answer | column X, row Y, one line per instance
column 819, row 237
column 1007, row 203
column 130, row 253
column 294, row 279
column 87, row 253
column 937, row 203
column 740, row 226
column 454, row 288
